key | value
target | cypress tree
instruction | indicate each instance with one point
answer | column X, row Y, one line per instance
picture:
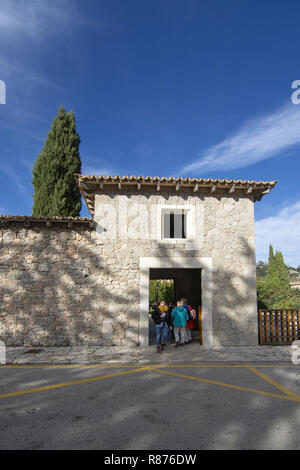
column 273, row 290
column 271, row 261
column 55, row 189
column 281, row 271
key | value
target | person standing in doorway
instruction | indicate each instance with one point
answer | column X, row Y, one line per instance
column 180, row 317
column 172, row 305
column 190, row 325
column 160, row 316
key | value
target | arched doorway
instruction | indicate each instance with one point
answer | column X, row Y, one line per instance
column 196, row 284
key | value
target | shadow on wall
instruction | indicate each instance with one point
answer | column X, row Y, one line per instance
column 57, row 291
column 65, row 287
column 234, row 297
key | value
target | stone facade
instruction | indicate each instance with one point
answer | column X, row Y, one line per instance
column 57, row 286
column 65, row 286
column 222, row 231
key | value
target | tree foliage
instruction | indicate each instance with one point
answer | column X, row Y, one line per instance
column 55, row 190
column 273, row 289
column 164, row 292
column 261, row 269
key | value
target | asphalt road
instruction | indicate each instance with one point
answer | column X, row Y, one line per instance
column 139, row 407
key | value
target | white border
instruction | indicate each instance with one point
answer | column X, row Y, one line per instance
column 206, row 286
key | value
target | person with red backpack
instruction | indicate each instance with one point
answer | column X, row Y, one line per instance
column 190, row 324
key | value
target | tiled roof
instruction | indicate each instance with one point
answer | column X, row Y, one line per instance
column 165, row 180
column 89, row 184
column 27, row 220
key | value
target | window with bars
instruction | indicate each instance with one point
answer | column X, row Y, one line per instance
column 174, row 224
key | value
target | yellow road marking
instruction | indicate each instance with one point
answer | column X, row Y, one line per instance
column 157, row 368
column 274, row 383
column 95, row 366
column 67, row 384
column 246, row 389
column 77, row 366
column 220, row 365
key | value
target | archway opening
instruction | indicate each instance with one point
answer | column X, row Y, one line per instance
column 176, row 283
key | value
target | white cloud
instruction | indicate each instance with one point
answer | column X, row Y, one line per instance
column 259, row 139
column 7, row 21
column 283, row 232
column 22, row 82
column 32, row 18
column 14, row 177
column 97, row 171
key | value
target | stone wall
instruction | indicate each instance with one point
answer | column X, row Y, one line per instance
column 80, row 285
column 223, row 231
column 60, row 287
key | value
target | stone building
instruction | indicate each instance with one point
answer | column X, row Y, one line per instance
column 68, row 281
column 295, row 284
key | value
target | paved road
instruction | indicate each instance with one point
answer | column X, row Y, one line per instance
column 124, row 407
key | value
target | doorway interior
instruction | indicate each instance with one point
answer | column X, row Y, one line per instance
column 186, row 283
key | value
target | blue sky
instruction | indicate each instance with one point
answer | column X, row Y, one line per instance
column 158, row 87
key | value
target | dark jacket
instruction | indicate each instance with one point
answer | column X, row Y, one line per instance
column 156, row 317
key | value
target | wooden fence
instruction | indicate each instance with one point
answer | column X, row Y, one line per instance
column 278, row 326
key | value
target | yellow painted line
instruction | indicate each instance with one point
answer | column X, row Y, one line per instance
column 279, row 366
column 95, row 366
column 236, row 387
column 202, row 366
column 274, row 383
column 241, row 366
column 68, row 384
column 77, row 366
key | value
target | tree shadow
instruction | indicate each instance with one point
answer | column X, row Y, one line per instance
column 58, row 290
column 140, row 411
column 130, row 416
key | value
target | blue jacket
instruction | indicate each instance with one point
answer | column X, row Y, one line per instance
column 180, row 316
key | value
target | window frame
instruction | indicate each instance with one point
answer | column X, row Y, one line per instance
column 188, row 211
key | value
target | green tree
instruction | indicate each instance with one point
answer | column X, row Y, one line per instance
column 271, row 261
column 273, row 289
column 164, row 292
column 261, row 269
column 55, row 190
column 282, row 272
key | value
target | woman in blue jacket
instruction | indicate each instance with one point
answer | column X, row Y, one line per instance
column 180, row 317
